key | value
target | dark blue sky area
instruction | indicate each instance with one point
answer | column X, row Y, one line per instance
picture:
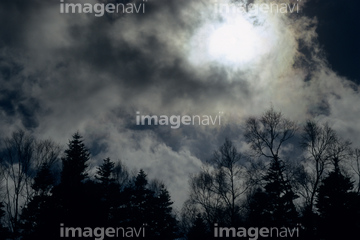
column 338, row 34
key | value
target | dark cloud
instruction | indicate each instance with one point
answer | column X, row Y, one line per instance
column 7, row 101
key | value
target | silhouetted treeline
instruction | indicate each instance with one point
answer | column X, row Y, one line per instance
column 37, row 199
column 297, row 177
column 286, row 175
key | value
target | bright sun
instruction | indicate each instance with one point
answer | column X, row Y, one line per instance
column 236, row 41
column 233, row 41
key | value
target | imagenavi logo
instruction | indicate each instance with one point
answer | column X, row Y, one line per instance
column 240, row 7
column 253, row 233
column 100, row 233
column 177, row 120
column 99, row 9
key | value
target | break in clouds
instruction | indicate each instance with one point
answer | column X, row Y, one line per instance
column 62, row 73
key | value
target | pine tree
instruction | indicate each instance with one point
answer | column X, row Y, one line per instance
column 141, row 181
column 139, row 198
column 165, row 226
column 280, row 195
column 338, row 207
column 4, row 232
column 108, row 190
column 74, row 197
column 199, row 229
column 37, row 217
column 257, row 215
column 144, row 207
column 44, row 180
column 75, row 162
column 105, row 171
column 274, row 206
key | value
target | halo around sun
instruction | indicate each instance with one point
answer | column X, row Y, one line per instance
column 235, row 40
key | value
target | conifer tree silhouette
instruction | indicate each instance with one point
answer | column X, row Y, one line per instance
column 266, row 136
column 105, row 171
column 109, row 191
column 199, row 229
column 338, row 207
column 37, row 216
column 75, row 163
column 145, row 208
column 75, row 198
column 4, row 232
column 274, row 206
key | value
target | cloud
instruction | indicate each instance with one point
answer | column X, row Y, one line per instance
column 66, row 72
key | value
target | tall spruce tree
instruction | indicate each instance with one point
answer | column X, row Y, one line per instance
column 138, row 202
column 108, row 190
column 145, row 208
column 75, row 198
column 280, row 195
column 274, row 206
column 37, row 216
column 338, row 207
column 75, row 162
column 257, row 214
column 105, row 171
column 165, row 226
column 199, row 229
column 4, row 231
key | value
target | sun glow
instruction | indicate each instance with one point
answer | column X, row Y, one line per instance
column 235, row 41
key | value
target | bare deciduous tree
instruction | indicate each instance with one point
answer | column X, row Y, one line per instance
column 355, row 165
column 201, row 193
column 267, row 134
column 322, row 148
column 187, row 216
column 230, row 174
column 20, row 159
column 16, row 168
column 121, row 174
column 220, row 185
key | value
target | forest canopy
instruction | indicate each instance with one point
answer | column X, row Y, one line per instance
column 304, row 177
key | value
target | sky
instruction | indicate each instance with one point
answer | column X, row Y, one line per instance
column 66, row 72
